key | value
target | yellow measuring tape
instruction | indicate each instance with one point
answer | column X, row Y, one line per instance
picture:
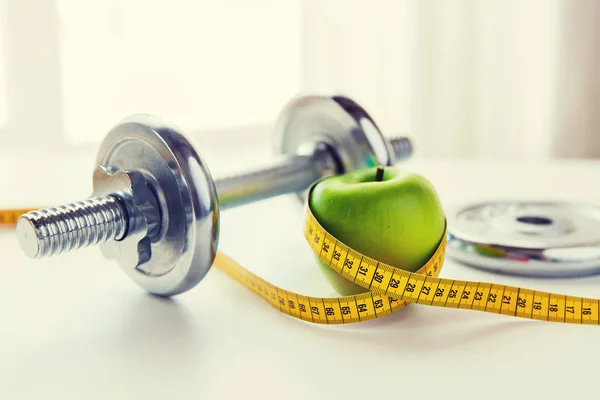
column 391, row 289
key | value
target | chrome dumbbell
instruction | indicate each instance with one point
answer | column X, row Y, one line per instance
column 155, row 206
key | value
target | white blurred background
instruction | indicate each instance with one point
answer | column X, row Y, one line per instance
column 492, row 79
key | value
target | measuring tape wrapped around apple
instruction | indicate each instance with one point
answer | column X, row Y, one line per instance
column 364, row 268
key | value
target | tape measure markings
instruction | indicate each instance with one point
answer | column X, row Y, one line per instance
column 390, row 289
column 423, row 289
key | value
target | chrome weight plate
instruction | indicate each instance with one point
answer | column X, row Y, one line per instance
column 152, row 162
column 337, row 122
column 537, row 239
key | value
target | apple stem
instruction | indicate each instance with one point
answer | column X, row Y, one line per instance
column 379, row 174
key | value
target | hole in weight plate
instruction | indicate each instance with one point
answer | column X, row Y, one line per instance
column 533, row 220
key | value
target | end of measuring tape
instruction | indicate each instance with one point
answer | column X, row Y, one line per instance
column 9, row 217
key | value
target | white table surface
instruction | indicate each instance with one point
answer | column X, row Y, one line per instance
column 75, row 327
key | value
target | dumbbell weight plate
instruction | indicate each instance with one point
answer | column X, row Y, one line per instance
column 184, row 189
column 527, row 238
column 337, row 122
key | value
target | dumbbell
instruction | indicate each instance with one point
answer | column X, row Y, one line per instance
column 155, row 207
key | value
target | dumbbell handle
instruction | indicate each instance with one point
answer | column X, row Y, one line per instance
column 288, row 174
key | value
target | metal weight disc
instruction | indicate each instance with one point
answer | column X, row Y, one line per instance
column 157, row 166
column 538, row 239
column 337, row 123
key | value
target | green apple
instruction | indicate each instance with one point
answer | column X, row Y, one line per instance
column 388, row 214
